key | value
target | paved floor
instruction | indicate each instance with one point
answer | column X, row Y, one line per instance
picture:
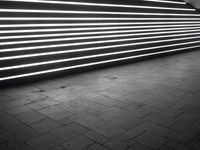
column 149, row 105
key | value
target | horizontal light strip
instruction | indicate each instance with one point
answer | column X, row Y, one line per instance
column 90, row 24
column 91, row 12
column 165, row 1
column 91, row 64
column 167, row 31
column 91, row 42
column 81, row 29
column 93, row 48
column 89, row 33
column 101, row 4
column 84, row 19
column 91, row 56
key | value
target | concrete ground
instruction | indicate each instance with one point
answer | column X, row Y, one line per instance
column 147, row 105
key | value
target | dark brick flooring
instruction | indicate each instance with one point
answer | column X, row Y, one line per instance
column 148, row 105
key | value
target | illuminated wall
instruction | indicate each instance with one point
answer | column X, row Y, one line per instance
column 39, row 37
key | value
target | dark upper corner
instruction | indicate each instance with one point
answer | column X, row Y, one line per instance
column 194, row 3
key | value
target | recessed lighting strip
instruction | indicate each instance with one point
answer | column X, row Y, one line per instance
column 100, row 4
column 92, row 42
column 90, row 33
column 92, row 56
column 92, row 12
column 85, row 19
column 183, row 30
column 165, row 1
column 92, row 64
column 83, row 29
column 96, row 48
column 93, row 24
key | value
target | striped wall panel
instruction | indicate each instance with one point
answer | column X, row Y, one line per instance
column 41, row 37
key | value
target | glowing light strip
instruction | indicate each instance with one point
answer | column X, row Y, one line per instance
column 88, row 33
column 101, row 4
column 83, row 29
column 91, row 64
column 165, row 1
column 104, row 36
column 91, row 12
column 91, row 56
column 91, row 42
column 94, row 48
column 84, row 19
column 90, row 24
column 81, row 33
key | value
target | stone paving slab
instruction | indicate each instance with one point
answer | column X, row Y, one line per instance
column 149, row 105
